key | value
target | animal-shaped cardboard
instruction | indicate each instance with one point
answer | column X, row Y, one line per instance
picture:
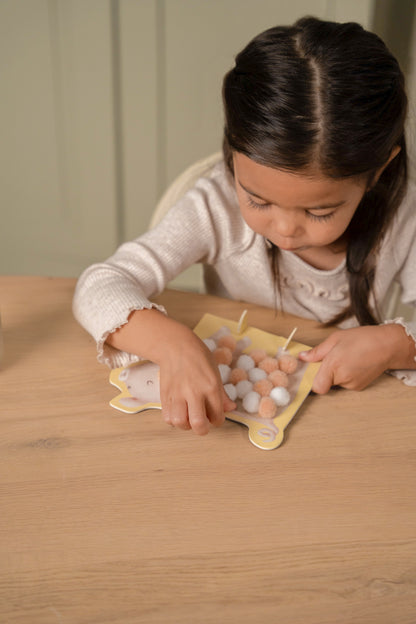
column 139, row 382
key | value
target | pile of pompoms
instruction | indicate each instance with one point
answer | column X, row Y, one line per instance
column 259, row 380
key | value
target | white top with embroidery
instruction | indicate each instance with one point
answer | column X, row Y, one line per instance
column 205, row 226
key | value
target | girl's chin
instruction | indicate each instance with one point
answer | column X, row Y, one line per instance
column 294, row 249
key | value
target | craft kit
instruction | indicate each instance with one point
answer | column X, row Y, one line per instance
column 260, row 372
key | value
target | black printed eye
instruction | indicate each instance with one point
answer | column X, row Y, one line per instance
column 149, row 382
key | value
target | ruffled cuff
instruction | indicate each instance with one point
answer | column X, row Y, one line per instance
column 407, row 376
column 112, row 357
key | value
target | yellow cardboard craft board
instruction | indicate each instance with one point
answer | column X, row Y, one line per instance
column 139, row 382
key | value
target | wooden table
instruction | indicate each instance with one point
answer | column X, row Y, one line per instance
column 109, row 517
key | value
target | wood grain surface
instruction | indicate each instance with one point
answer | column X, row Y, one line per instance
column 115, row 518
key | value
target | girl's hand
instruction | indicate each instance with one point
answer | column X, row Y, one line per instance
column 353, row 358
column 191, row 390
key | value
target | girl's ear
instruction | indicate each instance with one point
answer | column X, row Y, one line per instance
column 379, row 171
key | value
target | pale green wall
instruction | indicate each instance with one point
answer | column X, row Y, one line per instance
column 105, row 102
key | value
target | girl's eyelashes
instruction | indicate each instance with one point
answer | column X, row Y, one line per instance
column 322, row 217
column 315, row 217
column 255, row 204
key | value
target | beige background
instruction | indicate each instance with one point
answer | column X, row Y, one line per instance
column 104, row 102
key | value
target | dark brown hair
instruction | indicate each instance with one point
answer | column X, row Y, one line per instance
column 332, row 95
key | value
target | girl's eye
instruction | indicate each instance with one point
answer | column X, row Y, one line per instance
column 315, row 217
column 254, row 204
column 322, row 217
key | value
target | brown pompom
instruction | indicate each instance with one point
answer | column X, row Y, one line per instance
column 288, row 364
column 237, row 374
column 263, row 387
column 279, row 378
column 227, row 341
column 269, row 364
column 223, row 355
column 258, row 355
column 267, row 408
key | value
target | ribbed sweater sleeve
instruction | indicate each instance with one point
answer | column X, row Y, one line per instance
column 107, row 292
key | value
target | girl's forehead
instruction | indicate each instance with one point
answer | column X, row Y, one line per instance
column 304, row 187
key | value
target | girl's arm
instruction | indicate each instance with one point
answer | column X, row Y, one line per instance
column 197, row 229
column 191, row 390
column 113, row 303
column 353, row 358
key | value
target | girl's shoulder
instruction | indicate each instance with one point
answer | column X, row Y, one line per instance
column 214, row 194
column 208, row 209
column 214, row 181
column 401, row 234
column 217, row 194
column 219, row 183
column 404, row 222
column 205, row 188
column 409, row 200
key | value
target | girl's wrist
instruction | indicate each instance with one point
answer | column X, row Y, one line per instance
column 150, row 334
column 401, row 347
column 173, row 337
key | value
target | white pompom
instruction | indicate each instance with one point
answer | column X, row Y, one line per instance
column 231, row 391
column 251, row 402
column 243, row 343
column 280, row 396
column 245, row 362
column 210, row 343
column 224, row 372
column 255, row 374
column 223, row 331
column 243, row 387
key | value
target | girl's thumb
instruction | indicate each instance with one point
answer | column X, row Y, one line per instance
column 313, row 355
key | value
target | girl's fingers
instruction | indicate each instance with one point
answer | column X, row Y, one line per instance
column 166, row 417
column 216, row 408
column 178, row 414
column 187, row 415
column 215, row 415
column 198, row 418
column 319, row 352
column 227, row 404
column 314, row 355
column 323, row 381
column 191, row 410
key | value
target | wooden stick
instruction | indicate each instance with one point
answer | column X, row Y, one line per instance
column 290, row 338
column 242, row 323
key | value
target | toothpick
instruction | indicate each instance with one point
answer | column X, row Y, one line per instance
column 242, row 323
column 289, row 339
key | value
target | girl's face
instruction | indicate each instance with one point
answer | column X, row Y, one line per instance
column 294, row 211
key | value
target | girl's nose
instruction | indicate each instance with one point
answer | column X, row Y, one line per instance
column 286, row 225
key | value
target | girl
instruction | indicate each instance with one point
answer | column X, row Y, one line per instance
column 309, row 211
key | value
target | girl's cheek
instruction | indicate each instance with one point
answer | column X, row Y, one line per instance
column 254, row 221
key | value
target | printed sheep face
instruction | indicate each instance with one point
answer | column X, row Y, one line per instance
column 142, row 384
